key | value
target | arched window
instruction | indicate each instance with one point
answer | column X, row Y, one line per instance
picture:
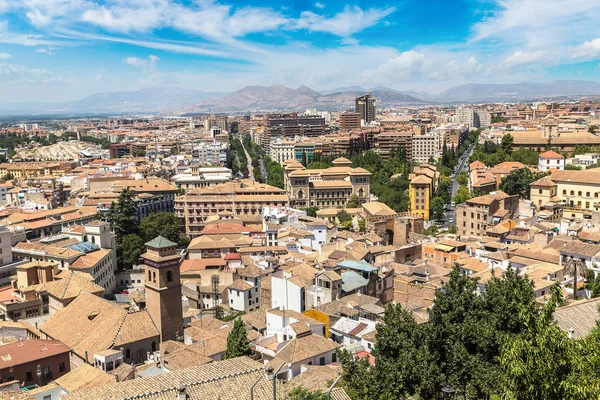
column 587, row 194
column 94, row 239
column 565, row 192
column 127, row 353
column 169, row 276
column 300, row 194
column 154, row 276
column 579, row 193
column 361, row 192
column 572, row 193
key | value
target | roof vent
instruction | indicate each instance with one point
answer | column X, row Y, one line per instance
column 93, row 315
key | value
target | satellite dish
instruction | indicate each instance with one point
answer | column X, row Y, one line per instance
column 151, row 357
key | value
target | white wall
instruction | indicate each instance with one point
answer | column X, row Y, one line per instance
column 286, row 295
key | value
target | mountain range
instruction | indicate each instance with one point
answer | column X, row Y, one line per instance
column 278, row 97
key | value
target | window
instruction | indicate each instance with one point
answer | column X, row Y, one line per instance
column 62, row 367
column 579, row 193
column 127, row 353
column 322, row 361
column 28, row 376
column 169, row 276
column 333, row 358
column 153, row 346
column 540, row 191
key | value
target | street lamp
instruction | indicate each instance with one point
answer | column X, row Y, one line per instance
column 448, row 391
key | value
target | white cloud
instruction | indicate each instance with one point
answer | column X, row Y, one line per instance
column 4, row 56
column 345, row 23
column 10, row 73
column 519, row 58
column 320, row 5
column 46, row 50
column 131, row 16
column 588, row 49
column 99, row 77
column 455, row 68
column 142, row 63
column 400, row 68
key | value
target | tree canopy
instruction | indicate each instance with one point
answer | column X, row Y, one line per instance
column 519, row 182
column 237, row 340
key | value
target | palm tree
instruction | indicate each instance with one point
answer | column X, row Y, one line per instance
column 576, row 268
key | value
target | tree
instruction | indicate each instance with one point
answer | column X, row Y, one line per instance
column 518, row 182
column 165, row 224
column 139, row 153
column 304, row 159
column 123, row 214
column 311, row 211
column 462, row 195
column 318, row 165
column 302, row 393
column 507, row 143
column 343, row 216
column 237, row 341
column 132, row 248
column 9, row 176
column 362, row 225
column 354, row 202
column 576, row 268
column 432, row 230
column 462, row 178
column 573, row 167
column 453, row 229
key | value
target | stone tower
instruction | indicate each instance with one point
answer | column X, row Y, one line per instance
column 163, row 287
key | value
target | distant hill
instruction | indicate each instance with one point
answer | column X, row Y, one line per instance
column 153, row 99
column 277, row 97
column 476, row 92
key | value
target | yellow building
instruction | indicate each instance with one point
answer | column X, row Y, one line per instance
column 420, row 193
column 578, row 189
column 28, row 169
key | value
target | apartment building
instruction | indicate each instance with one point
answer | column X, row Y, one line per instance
column 365, row 106
column 211, row 154
column 349, row 120
column 282, row 150
column 388, row 142
column 240, row 198
column 475, row 216
column 425, row 147
column 473, row 117
column 421, row 192
column 325, row 188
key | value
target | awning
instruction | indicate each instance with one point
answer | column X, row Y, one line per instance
column 443, row 247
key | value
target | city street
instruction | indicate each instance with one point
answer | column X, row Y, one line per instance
column 463, row 165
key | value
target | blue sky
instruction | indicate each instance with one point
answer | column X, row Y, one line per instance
column 56, row 50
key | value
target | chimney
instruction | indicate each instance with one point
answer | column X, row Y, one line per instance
column 549, row 276
column 182, row 395
column 571, row 332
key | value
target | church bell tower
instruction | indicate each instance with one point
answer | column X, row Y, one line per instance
column 163, row 287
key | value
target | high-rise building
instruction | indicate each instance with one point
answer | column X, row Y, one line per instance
column 349, row 120
column 163, row 287
column 365, row 106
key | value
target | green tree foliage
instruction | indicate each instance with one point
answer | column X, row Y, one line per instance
column 318, row 165
column 275, row 172
column 311, row 211
column 237, row 341
column 519, row 182
column 122, row 215
column 343, row 216
column 362, row 225
column 482, row 345
column 302, row 393
column 462, row 178
column 498, row 118
column 462, row 195
column 432, row 230
column 507, row 143
column 9, row 176
column 573, row 167
column 165, row 224
column 354, row 202
column 391, row 191
column 453, row 229
column 132, row 247
column 437, row 206
column 233, row 127
column 443, row 189
column 139, row 153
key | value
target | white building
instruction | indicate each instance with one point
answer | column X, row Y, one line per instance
column 211, row 154
column 287, row 292
column 425, row 147
column 282, row 150
column 551, row 159
column 243, row 296
column 195, row 177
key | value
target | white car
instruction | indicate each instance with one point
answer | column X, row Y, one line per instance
column 451, row 220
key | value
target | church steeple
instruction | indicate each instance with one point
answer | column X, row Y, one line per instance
column 163, row 287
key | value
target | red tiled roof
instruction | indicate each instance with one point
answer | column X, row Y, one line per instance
column 551, row 154
column 201, row 264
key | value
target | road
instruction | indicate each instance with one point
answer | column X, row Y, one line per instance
column 463, row 165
